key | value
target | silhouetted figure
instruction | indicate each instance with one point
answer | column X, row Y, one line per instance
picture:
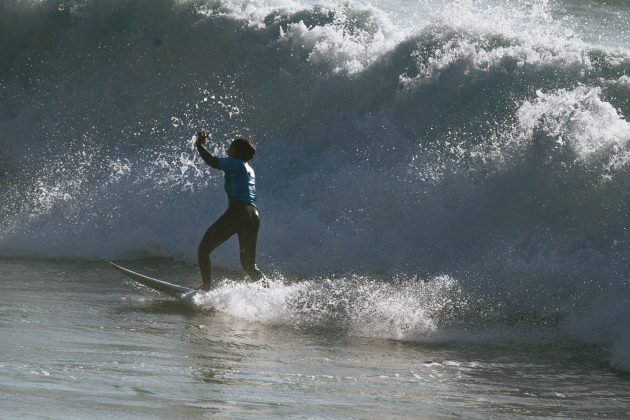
column 241, row 217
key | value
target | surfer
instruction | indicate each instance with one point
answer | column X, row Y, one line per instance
column 241, row 216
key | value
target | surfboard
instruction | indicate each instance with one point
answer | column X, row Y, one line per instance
column 155, row 284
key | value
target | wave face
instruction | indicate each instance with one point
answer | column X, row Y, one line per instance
column 483, row 141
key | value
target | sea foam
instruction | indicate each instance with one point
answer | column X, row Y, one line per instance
column 482, row 144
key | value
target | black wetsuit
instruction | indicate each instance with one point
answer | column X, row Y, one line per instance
column 240, row 218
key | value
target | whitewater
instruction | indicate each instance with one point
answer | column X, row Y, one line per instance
column 432, row 176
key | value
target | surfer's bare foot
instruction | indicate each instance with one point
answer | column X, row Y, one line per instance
column 264, row 282
column 204, row 286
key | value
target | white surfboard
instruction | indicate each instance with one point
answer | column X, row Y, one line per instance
column 155, row 284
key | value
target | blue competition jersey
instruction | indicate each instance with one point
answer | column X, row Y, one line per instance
column 240, row 180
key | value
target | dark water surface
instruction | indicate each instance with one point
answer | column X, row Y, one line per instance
column 77, row 341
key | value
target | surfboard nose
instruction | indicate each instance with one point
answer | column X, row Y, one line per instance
column 155, row 284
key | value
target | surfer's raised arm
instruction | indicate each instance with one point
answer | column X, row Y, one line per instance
column 205, row 155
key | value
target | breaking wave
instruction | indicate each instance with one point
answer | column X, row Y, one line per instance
column 485, row 144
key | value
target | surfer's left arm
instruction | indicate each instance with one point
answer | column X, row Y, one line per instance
column 205, row 155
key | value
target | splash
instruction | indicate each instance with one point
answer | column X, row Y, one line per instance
column 402, row 308
column 483, row 141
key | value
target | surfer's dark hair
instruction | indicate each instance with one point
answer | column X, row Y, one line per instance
column 244, row 147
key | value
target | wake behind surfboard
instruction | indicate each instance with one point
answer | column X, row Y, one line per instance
column 155, row 284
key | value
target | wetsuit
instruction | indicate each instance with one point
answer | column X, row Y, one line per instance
column 240, row 218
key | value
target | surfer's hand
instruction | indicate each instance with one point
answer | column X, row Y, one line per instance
column 202, row 136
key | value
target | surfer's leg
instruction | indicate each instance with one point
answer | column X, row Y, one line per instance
column 247, row 238
column 219, row 232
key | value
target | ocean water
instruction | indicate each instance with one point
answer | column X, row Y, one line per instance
column 78, row 341
column 443, row 186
